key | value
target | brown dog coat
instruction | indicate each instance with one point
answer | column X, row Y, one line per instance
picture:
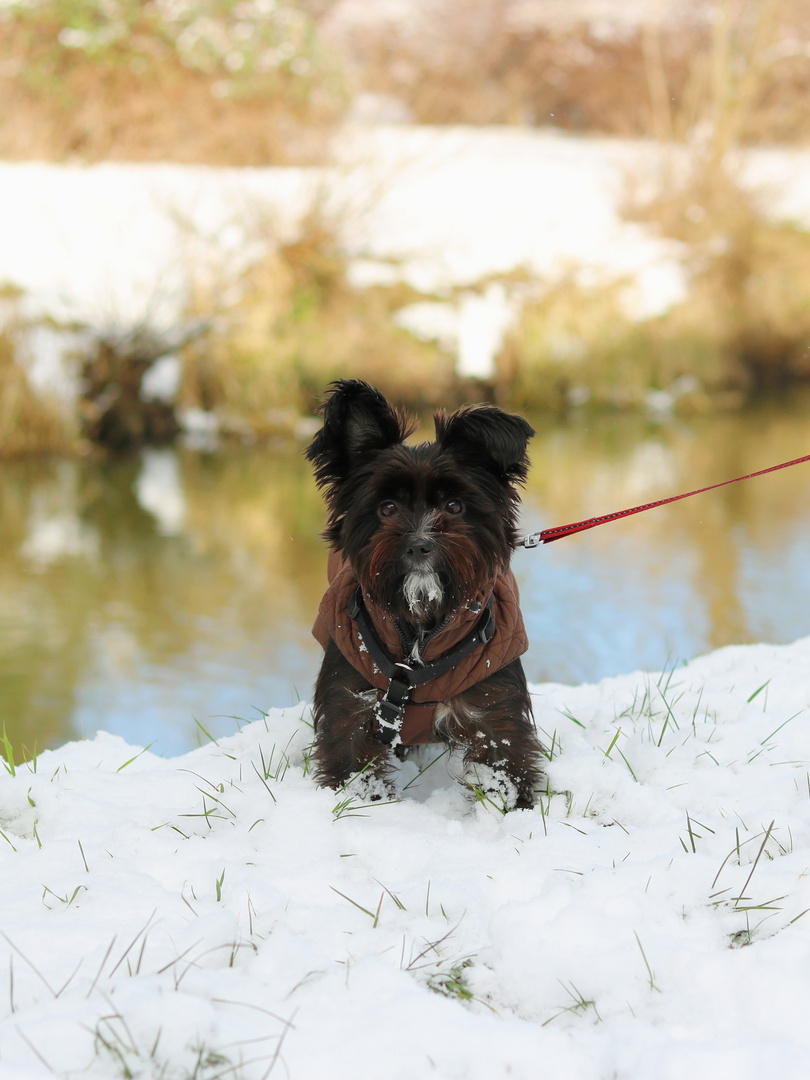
column 507, row 644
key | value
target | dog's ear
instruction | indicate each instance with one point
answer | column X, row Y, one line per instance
column 357, row 423
column 486, row 435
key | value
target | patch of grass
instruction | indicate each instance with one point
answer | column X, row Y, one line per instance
column 114, row 1040
column 442, row 975
column 748, row 306
column 749, row 298
column 577, row 345
column 490, row 800
column 743, row 327
column 579, row 1004
column 692, row 833
column 452, row 982
column 8, row 751
column 67, row 900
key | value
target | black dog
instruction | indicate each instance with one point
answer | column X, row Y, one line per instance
column 421, row 623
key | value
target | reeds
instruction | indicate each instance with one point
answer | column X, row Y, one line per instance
column 30, row 421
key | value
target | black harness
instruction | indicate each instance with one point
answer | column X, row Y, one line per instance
column 403, row 678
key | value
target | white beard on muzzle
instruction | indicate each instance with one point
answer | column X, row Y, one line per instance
column 423, row 592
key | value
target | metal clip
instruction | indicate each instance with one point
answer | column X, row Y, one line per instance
column 532, row 540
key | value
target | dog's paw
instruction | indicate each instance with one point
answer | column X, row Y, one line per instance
column 366, row 787
column 492, row 786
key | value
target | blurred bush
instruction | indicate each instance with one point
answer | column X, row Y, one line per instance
column 742, row 329
column 245, row 82
column 744, row 326
column 31, row 421
column 509, row 61
column 292, row 323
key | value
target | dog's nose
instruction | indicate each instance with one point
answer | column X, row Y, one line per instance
column 419, row 547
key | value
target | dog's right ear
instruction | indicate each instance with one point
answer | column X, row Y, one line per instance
column 357, row 423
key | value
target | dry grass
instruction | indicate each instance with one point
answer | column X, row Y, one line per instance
column 743, row 328
column 122, row 82
column 118, row 117
column 456, row 61
column 293, row 323
column 30, row 422
column 479, row 61
column 577, row 347
column 745, row 324
column 750, row 277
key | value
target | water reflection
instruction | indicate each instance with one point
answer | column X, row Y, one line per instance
column 726, row 567
column 139, row 595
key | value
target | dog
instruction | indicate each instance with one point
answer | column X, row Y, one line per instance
column 421, row 623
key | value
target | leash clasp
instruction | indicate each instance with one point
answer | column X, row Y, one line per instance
column 532, row 540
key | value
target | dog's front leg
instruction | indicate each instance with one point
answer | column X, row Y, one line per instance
column 492, row 722
column 346, row 751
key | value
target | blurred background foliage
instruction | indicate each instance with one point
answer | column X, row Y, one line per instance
column 216, row 81
column 269, row 82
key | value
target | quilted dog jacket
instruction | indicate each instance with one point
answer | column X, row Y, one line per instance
column 507, row 644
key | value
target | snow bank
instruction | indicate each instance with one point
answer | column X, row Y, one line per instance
column 118, row 244
column 216, row 912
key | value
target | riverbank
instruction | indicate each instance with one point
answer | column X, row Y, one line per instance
column 442, row 264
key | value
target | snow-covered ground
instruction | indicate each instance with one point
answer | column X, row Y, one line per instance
column 216, row 915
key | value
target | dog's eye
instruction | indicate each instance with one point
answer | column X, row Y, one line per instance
column 387, row 508
column 453, row 506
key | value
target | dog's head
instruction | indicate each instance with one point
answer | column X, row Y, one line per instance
column 426, row 528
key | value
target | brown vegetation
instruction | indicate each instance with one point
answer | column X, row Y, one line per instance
column 132, row 81
column 294, row 323
column 30, row 421
column 480, row 62
column 79, row 84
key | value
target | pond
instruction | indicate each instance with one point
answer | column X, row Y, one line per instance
column 171, row 594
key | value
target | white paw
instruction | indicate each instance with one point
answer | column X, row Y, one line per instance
column 492, row 785
column 366, row 787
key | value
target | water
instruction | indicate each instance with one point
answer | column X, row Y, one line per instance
column 167, row 594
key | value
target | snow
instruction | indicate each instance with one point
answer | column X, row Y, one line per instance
column 218, row 911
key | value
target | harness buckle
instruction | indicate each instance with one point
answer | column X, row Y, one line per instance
column 390, row 712
column 389, row 721
column 487, row 632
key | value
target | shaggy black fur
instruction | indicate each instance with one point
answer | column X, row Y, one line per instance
column 425, row 528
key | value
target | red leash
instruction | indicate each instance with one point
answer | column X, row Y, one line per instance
column 546, row 536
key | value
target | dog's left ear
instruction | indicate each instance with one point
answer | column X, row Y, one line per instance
column 357, row 424
column 486, row 435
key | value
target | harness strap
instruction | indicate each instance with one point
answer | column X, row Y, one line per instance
column 403, row 679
